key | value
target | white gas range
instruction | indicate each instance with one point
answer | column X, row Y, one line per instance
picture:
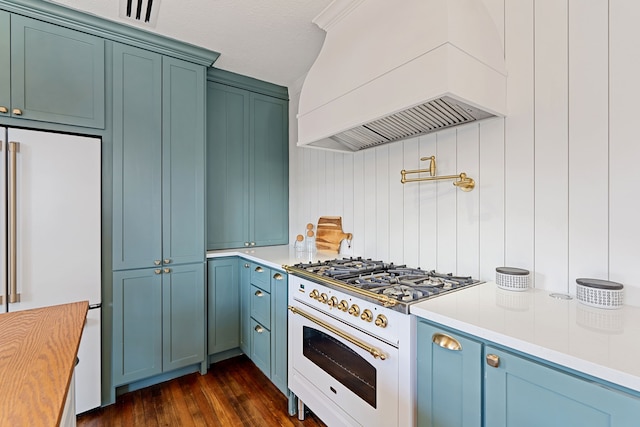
column 352, row 349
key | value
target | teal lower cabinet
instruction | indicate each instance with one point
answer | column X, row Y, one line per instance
column 465, row 381
column 245, row 306
column 223, row 305
column 449, row 379
column 523, row 393
column 267, row 295
column 158, row 321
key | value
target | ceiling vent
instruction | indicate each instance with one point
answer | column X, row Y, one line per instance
column 143, row 12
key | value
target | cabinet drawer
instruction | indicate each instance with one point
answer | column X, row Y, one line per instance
column 261, row 306
column 261, row 277
column 261, row 347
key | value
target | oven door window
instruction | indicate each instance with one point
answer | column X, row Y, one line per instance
column 342, row 363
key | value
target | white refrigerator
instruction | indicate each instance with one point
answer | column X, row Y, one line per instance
column 50, row 243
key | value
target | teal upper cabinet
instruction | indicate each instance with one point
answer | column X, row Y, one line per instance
column 247, row 168
column 269, row 166
column 56, row 74
column 5, row 63
column 158, row 160
column 227, row 166
column 137, row 157
column 183, row 161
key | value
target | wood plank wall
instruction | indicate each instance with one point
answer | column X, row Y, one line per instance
column 557, row 192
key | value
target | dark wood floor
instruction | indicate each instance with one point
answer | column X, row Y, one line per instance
column 233, row 393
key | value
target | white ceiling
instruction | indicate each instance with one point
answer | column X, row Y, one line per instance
column 271, row 40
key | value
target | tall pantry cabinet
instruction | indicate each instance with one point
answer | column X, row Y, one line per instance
column 158, row 214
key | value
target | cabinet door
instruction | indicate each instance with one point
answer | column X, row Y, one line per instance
column 449, row 380
column 245, row 307
column 523, row 393
column 137, row 157
column 269, row 166
column 183, row 311
column 279, row 303
column 224, row 305
column 183, row 161
column 57, row 74
column 261, row 347
column 227, row 168
column 137, row 325
column 5, row 64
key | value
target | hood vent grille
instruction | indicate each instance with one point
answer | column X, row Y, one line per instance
column 429, row 117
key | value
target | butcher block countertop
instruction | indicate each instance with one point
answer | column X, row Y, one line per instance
column 38, row 350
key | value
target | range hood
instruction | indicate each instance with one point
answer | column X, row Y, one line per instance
column 390, row 70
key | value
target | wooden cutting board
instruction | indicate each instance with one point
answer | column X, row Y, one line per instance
column 329, row 233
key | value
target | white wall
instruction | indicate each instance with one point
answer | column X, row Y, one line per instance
column 557, row 192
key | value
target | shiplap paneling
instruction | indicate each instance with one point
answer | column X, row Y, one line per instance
column 424, row 203
column 556, row 186
column 588, row 140
column 519, row 136
column 468, row 203
column 624, row 149
column 551, row 144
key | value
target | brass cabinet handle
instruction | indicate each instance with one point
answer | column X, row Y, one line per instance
column 13, row 295
column 246, row 243
column 258, row 329
column 258, row 293
column 252, row 243
column 247, row 265
column 493, row 360
column 157, row 271
column 16, row 112
column 445, row 341
column 3, row 109
column 278, row 276
column 166, row 261
column 259, row 269
column 167, row 270
column 157, row 262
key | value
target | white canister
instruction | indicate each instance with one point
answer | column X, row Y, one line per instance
column 599, row 293
column 512, row 279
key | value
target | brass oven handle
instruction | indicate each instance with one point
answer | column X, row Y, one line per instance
column 376, row 353
column 13, row 296
column 446, row 341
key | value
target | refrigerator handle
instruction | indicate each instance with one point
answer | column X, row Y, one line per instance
column 13, row 296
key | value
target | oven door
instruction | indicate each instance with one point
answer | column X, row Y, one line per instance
column 345, row 376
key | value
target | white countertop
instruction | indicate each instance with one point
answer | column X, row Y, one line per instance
column 275, row 256
column 598, row 342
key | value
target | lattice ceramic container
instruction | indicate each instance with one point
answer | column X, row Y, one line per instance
column 512, row 279
column 600, row 293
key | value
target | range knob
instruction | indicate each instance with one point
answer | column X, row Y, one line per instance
column 354, row 310
column 314, row 294
column 343, row 306
column 367, row 315
column 381, row 320
column 323, row 298
column 333, row 302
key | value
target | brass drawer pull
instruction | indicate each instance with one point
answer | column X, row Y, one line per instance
column 3, row 109
column 16, row 112
column 259, row 269
column 445, row 341
column 278, row 276
column 493, row 360
column 258, row 293
column 258, row 329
